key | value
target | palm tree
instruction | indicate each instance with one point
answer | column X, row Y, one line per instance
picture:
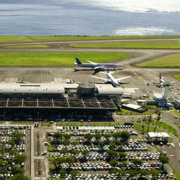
column 158, row 119
column 149, row 121
column 144, row 119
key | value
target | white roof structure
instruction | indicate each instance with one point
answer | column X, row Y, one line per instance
column 132, row 106
column 91, row 127
column 158, row 135
column 110, row 90
column 31, row 88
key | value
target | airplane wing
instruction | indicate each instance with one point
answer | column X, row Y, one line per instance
column 91, row 62
column 104, row 79
column 119, row 79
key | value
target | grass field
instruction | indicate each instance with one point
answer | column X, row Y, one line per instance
column 166, row 127
column 126, row 45
column 129, row 112
column 165, row 61
column 26, row 47
column 55, row 59
column 4, row 39
column 177, row 76
column 175, row 112
column 139, row 128
column 88, row 123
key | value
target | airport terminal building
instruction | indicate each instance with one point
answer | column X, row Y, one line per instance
column 20, row 101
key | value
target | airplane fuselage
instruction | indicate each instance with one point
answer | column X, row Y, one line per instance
column 106, row 65
column 112, row 80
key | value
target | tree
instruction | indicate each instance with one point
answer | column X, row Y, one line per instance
column 154, row 173
column 121, row 172
column 144, row 119
column 125, row 136
column 20, row 158
column 164, row 160
column 122, row 155
column 143, row 172
column 74, row 173
column 57, row 135
column 17, row 170
column 132, row 173
column 157, row 120
column 17, row 137
column 19, row 177
column 107, row 135
column 137, row 162
column 102, row 144
column 62, row 172
column 149, row 121
column 67, row 136
column 88, row 136
column 112, row 153
column 70, row 160
column 98, row 136
column 1, row 163
column 117, row 135
column 112, row 145
column 85, row 152
column 113, row 162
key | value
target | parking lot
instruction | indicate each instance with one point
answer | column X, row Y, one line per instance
column 14, row 150
column 111, row 154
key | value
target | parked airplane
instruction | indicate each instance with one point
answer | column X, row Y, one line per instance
column 96, row 66
column 112, row 80
column 161, row 82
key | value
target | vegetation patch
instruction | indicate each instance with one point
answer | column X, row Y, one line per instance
column 165, row 61
column 139, row 127
column 127, row 45
column 26, row 47
column 56, row 59
column 177, row 76
column 129, row 112
column 6, row 39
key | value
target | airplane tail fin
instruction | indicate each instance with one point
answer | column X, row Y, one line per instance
column 78, row 61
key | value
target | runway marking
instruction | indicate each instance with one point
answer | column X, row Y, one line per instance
column 171, row 155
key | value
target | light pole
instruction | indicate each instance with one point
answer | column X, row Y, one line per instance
column 38, row 116
column 4, row 116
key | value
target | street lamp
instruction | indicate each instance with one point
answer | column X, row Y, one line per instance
column 38, row 115
column 4, row 116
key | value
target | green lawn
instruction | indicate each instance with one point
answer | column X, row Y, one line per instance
column 126, row 45
column 165, row 61
column 175, row 112
column 88, row 123
column 129, row 112
column 26, row 47
column 166, row 127
column 139, row 127
column 4, row 39
column 177, row 76
column 55, row 59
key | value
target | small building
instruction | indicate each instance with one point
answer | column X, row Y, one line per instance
column 177, row 101
column 134, row 107
column 158, row 136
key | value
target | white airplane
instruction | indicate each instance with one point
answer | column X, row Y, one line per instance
column 112, row 80
column 162, row 83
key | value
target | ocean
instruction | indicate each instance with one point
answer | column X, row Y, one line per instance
column 89, row 17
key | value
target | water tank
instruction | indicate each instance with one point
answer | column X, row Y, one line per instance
column 86, row 89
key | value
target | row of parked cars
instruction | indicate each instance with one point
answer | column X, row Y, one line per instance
column 143, row 156
column 101, row 166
